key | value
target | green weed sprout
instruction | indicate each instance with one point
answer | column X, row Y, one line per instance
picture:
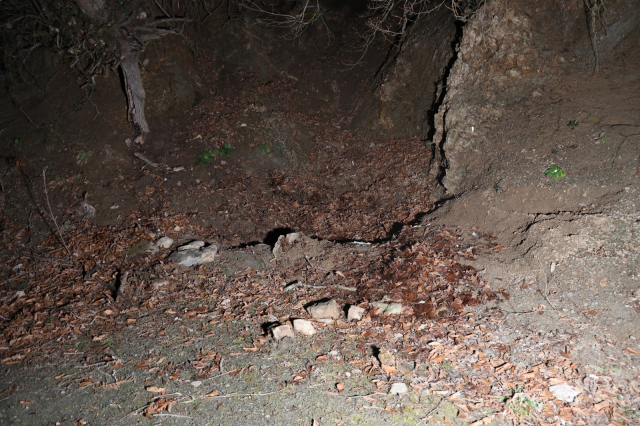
column 555, row 172
column 208, row 154
column 205, row 158
column 225, row 150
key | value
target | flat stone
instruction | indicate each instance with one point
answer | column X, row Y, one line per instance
column 380, row 305
column 398, row 389
column 164, row 242
column 355, row 313
column 160, row 283
column 564, row 393
column 324, row 310
column 386, row 357
column 193, row 245
column 194, row 257
column 304, row 327
column 285, row 241
column 394, row 309
column 282, row 331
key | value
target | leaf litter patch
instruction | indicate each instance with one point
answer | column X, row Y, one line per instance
column 443, row 349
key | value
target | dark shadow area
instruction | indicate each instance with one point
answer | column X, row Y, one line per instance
column 272, row 236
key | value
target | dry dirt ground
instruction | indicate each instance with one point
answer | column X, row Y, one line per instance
column 518, row 285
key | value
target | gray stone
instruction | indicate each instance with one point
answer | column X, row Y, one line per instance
column 355, row 313
column 194, row 257
column 393, row 309
column 324, row 310
column 192, row 245
column 284, row 241
column 564, row 392
column 304, row 327
column 380, row 305
column 164, row 242
column 398, row 389
column 160, row 283
column 282, row 331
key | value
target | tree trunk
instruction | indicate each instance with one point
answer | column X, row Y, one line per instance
column 135, row 91
column 128, row 47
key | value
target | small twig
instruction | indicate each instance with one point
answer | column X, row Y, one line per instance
column 161, row 8
column 613, row 160
column 8, row 280
column 546, row 285
column 172, row 415
column 145, row 159
column 231, row 395
column 434, row 408
column 90, row 272
column 7, row 397
column 97, row 364
column 55, row 222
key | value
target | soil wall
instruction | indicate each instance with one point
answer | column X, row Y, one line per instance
column 509, row 49
column 403, row 94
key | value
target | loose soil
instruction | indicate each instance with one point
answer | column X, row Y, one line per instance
column 516, row 285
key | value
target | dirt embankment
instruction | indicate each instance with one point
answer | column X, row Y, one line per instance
column 487, row 287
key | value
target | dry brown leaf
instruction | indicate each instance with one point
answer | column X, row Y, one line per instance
column 155, row 389
column 632, row 351
column 389, row 369
column 212, row 394
column 340, row 387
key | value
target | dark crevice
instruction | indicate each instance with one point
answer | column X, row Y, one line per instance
column 438, row 159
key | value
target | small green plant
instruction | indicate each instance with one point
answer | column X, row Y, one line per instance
column 82, row 157
column 17, row 142
column 212, row 182
column 344, row 47
column 555, row 172
column 225, row 150
column 573, row 124
column 264, row 148
column 205, row 158
column 280, row 147
column 522, row 405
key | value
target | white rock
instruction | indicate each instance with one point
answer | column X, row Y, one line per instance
column 160, row 283
column 355, row 313
column 164, row 242
column 284, row 241
column 193, row 245
column 380, row 305
column 564, row 393
column 282, row 331
column 394, row 309
column 398, row 389
column 304, row 327
column 324, row 310
column 195, row 257
column 196, row 383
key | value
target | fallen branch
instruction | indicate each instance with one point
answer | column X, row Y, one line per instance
column 53, row 218
column 145, row 159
